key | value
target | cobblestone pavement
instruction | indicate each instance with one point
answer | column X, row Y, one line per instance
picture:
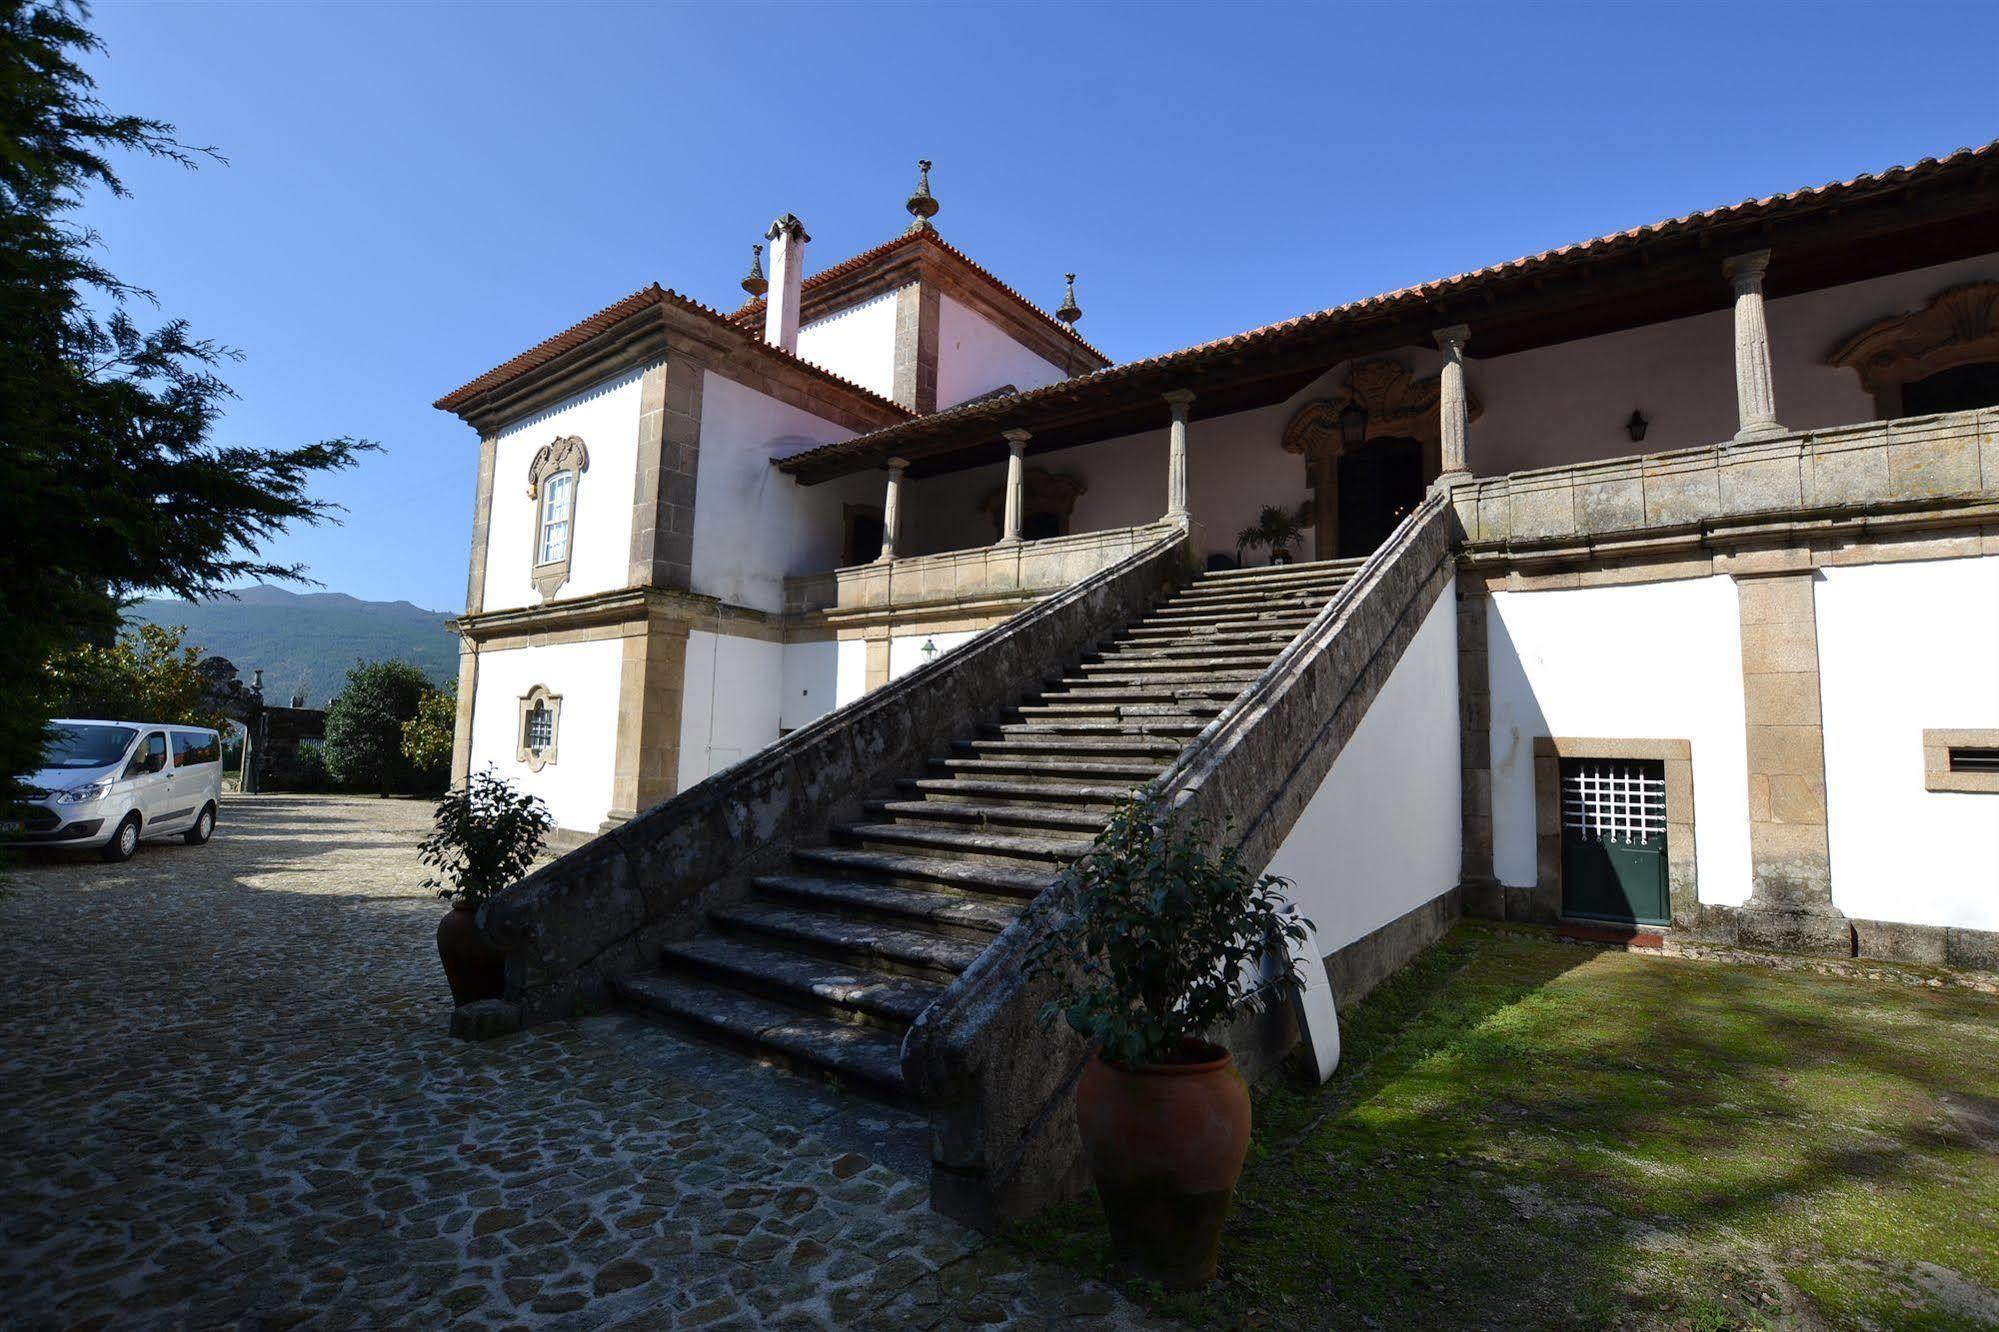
column 227, row 1097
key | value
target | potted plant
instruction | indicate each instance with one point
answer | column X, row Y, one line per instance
column 485, row 834
column 1158, row 946
column 1276, row 529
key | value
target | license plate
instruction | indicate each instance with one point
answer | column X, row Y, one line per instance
column 10, row 825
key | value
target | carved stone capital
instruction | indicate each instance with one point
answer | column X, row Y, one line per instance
column 1746, row 271
column 1451, row 341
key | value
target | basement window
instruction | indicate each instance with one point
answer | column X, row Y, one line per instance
column 1961, row 760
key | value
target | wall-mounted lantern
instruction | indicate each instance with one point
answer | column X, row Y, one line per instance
column 929, row 650
column 1637, row 426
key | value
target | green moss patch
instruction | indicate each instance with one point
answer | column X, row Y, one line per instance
column 1534, row 1133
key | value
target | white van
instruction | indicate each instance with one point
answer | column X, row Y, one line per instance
column 109, row 783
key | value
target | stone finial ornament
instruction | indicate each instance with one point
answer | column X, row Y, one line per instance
column 754, row 281
column 921, row 205
column 788, row 225
column 1070, row 311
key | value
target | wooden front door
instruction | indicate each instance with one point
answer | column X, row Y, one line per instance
column 1614, row 840
column 1380, row 483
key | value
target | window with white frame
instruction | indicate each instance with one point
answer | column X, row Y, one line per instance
column 540, row 722
column 554, row 479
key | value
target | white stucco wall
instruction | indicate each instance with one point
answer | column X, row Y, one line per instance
column 1904, row 648
column 851, row 670
column 974, row 357
column 858, row 343
column 811, row 682
column 1381, row 836
column 1658, row 661
column 752, row 523
column 730, row 701
column 606, row 418
column 905, row 651
column 577, row 786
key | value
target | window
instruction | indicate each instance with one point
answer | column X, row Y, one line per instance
column 1964, row 761
column 191, row 747
column 150, row 756
column 554, row 481
column 541, row 719
column 555, row 518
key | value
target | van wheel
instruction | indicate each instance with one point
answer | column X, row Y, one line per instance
column 124, row 843
column 203, row 829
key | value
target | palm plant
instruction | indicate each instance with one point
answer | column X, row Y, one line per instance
column 1276, row 529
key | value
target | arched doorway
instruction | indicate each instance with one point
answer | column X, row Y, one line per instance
column 1961, row 388
column 1380, row 483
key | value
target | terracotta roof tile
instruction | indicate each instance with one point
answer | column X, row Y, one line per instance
column 750, row 312
column 1748, row 209
column 611, row 315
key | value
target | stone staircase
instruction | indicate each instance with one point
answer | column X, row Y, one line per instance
column 825, row 966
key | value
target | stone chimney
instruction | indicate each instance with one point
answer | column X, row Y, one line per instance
column 787, row 270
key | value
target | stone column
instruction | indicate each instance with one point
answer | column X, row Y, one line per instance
column 1755, row 398
column 1180, row 402
column 1016, row 481
column 892, row 507
column 1454, row 408
column 461, row 730
column 1790, row 907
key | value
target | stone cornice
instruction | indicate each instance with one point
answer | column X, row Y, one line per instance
column 615, row 614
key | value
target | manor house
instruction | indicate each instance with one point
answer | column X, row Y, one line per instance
column 1645, row 588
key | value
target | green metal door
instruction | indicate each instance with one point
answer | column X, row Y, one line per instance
column 1614, row 840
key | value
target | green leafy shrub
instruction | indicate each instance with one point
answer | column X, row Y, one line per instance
column 485, row 836
column 364, row 728
column 1276, row 529
column 144, row 675
column 427, row 736
column 302, row 770
column 1157, row 944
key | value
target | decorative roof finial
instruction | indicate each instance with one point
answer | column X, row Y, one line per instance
column 1070, row 311
column 921, row 206
column 755, row 283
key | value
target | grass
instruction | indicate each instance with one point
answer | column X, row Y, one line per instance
column 1532, row 1133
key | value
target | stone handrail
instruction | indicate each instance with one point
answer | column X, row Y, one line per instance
column 1003, row 570
column 996, row 1082
column 606, row 908
column 1914, row 463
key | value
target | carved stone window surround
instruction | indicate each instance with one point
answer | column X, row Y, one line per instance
column 1937, row 775
column 1043, row 493
column 538, row 757
column 562, row 456
column 1957, row 326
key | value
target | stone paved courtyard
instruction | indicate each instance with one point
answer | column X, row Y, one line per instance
column 228, row 1098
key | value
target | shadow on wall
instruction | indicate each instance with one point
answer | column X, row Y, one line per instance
column 1514, row 719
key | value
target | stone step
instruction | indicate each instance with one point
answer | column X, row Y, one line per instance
column 971, row 876
column 1088, row 746
column 1279, row 573
column 1160, row 693
column 898, row 949
column 952, row 812
column 963, row 843
column 1141, row 665
column 1202, row 612
column 1193, row 709
column 1053, row 769
column 1201, row 649
column 1179, row 726
column 850, row 1053
column 1209, row 594
column 938, row 790
column 1223, row 621
column 1237, row 675
column 1212, row 635
column 953, row 913
column 816, row 984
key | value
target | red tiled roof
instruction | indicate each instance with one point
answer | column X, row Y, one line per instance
column 1749, row 210
column 750, row 312
column 611, row 315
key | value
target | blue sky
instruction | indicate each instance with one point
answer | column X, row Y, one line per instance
column 416, row 193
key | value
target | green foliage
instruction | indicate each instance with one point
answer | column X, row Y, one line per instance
column 485, row 836
column 364, row 728
column 113, row 485
column 302, row 770
column 1162, row 935
column 146, row 675
column 427, row 736
column 1276, row 528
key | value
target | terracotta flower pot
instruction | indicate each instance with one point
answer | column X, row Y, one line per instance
column 1165, row 1143
column 475, row 969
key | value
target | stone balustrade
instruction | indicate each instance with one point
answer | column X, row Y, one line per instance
column 1921, row 463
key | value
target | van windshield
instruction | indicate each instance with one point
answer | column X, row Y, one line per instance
column 73, row 745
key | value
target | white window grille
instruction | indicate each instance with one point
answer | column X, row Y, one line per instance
column 556, row 495
column 1614, row 800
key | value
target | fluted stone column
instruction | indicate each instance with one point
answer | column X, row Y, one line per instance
column 1453, row 406
column 1016, row 482
column 1181, row 402
column 1755, row 398
column 892, row 507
